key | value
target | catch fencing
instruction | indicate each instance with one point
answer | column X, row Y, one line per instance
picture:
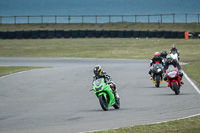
column 156, row 18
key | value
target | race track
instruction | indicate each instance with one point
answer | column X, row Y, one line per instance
column 58, row 100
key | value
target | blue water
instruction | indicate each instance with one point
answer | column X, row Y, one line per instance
column 99, row 7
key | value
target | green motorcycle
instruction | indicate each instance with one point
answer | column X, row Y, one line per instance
column 105, row 94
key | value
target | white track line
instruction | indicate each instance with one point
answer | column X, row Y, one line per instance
column 195, row 87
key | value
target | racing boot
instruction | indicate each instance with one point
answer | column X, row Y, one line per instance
column 116, row 94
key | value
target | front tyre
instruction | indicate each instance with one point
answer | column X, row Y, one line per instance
column 176, row 88
column 103, row 102
column 158, row 79
column 117, row 104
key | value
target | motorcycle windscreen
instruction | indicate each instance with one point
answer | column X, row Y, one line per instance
column 172, row 74
column 157, row 67
column 98, row 81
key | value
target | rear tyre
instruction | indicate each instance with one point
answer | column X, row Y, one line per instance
column 176, row 88
column 117, row 104
column 103, row 102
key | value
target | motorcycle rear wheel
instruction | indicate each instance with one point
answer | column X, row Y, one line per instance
column 103, row 102
column 117, row 104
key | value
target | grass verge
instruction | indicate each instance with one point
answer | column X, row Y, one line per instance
column 5, row 70
column 190, row 27
column 189, row 125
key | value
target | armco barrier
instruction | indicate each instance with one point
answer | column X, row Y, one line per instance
column 120, row 34
column 128, row 34
column 151, row 34
column 174, row 34
column 92, row 34
column 98, row 33
column 113, row 33
column 167, row 34
column 11, row 35
column 181, row 35
column 159, row 34
column 51, row 34
column 43, row 34
column 59, row 33
column 144, row 34
column 136, row 34
column 27, row 34
column 4, row 35
column 67, row 34
column 106, row 33
column 19, row 34
column 74, row 33
column 35, row 34
column 82, row 33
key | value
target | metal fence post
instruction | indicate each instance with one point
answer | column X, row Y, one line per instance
column 198, row 18
column 186, row 18
column 28, row 20
column 0, row 20
column 69, row 19
column 42, row 19
column 109, row 18
column 173, row 18
column 96, row 19
column 135, row 18
column 148, row 19
column 55, row 19
column 82, row 19
column 161, row 18
column 15, row 19
column 122, row 18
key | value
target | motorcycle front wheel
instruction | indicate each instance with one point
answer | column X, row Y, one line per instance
column 103, row 102
column 158, row 78
column 176, row 88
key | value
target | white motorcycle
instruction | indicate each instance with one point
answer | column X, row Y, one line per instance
column 175, row 56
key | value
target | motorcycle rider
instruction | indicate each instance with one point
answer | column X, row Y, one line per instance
column 163, row 54
column 171, row 61
column 98, row 73
column 175, row 50
column 154, row 60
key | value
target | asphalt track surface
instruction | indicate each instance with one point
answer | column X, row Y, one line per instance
column 58, row 100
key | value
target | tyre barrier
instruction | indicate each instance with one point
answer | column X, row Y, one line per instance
column 43, row 34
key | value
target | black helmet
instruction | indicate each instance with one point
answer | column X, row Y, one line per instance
column 164, row 51
column 97, row 70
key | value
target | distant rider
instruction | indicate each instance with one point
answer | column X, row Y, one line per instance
column 98, row 73
column 174, row 49
column 163, row 54
column 171, row 61
column 154, row 60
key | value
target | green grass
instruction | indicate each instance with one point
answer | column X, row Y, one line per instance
column 5, row 70
column 124, row 48
column 190, row 125
column 190, row 27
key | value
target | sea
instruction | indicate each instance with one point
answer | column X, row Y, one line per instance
column 71, row 11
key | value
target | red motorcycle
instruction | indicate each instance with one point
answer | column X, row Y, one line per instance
column 174, row 79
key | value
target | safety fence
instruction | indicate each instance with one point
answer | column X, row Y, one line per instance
column 156, row 18
column 48, row 34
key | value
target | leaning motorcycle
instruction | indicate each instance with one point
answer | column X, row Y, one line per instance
column 157, row 74
column 105, row 94
column 173, row 79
